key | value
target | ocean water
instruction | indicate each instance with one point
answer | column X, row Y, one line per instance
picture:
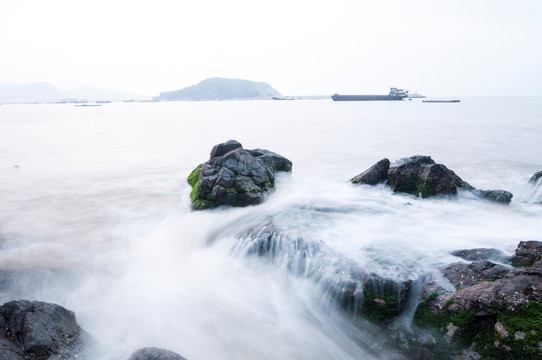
column 96, row 216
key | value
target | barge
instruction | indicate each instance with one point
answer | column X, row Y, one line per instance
column 395, row 94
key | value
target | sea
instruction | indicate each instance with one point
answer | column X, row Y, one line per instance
column 95, row 216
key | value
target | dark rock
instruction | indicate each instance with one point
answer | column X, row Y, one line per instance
column 39, row 330
column 437, row 179
column 508, row 293
column 224, row 148
column 404, row 173
column 235, row 176
column 464, row 275
column 152, row 353
column 421, row 176
column 375, row 174
column 481, row 254
column 274, row 161
column 537, row 175
column 492, row 316
column 527, row 253
column 500, row 196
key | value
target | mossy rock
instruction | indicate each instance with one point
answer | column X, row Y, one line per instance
column 524, row 335
column 234, row 176
column 522, row 338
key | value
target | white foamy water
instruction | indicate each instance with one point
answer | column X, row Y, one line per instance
column 96, row 216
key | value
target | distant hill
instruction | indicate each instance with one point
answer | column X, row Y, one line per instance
column 29, row 93
column 222, row 89
column 44, row 92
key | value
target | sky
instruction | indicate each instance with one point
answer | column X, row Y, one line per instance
column 299, row 47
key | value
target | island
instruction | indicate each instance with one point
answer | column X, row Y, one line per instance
column 221, row 89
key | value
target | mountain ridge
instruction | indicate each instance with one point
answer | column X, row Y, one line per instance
column 44, row 92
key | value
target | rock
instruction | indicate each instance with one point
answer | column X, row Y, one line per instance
column 501, row 330
column 437, row 179
column 404, row 173
column 375, row 174
column 152, row 353
column 493, row 316
column 464, row 275
column 421, row 176
column 527, row 253
column 537, row 175
column 451, row 331
column 274, row 161
column 481, row 254
column 224, row 148
column 509, row 293
column 235, row 176
column 500, row 196
column 39, row 330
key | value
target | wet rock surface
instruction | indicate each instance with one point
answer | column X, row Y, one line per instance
column 234, row 176
column 152, row 353
column 464, row 275
column 39, row 330
column 375, row 174
column 482, row 254
column 527, row 253
column 499, row 196
column 419, row 175
column 497, row 310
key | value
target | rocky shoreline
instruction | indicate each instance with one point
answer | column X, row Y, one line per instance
column 487, row 305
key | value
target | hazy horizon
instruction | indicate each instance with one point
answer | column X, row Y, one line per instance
column 299, row 48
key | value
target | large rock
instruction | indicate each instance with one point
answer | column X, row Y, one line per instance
column 39, row 330
column 527, row 253
column 375, row 174
column 235, row 176
column 420, row 175
column 152, row 353
column 497, row 317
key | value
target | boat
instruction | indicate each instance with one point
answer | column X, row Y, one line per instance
column 395, row 94
column 441, row 100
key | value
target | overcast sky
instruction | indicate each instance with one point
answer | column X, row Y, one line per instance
column 313, row 47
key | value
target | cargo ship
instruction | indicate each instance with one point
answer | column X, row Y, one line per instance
column 395, row 94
